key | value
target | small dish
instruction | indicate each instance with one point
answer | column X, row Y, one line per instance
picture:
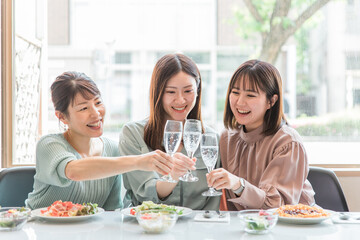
column 348, row 216
column 155, row 221
column 207, row 214
column 13, row 218
column 257, row 221
column 345, row 217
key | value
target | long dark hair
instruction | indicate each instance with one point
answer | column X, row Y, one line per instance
column 165, row 68
column 264, row 76
column 67, row 85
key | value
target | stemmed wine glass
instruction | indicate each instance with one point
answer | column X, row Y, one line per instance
column 172, row 139
column 209, row 152
column 192, row 134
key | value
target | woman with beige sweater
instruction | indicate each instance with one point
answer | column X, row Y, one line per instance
column 264, row 160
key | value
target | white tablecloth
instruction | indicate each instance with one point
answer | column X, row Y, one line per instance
column 113, row 225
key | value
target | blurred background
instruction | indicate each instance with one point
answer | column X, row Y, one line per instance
column 313, row 43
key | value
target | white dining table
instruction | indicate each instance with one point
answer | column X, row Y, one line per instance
column 113, row 225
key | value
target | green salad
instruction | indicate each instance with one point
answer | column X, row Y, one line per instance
column 149, row 205
column 258, row 223
column 88, row 209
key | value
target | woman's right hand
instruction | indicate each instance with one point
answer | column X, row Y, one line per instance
column 182, row 164
column 156, row 161
column 222, row 179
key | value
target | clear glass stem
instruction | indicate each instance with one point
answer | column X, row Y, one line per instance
column 188, row 176
column 168, row 177
column 191, row 157
column 171, row 155
column 211, row 189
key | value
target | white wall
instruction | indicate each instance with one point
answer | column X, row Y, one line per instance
column 351, row 191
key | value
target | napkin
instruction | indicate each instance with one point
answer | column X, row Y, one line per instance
column 199, row 217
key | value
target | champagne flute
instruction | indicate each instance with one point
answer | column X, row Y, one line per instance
column 209, row 152
column 172, row 139
column 192, row 134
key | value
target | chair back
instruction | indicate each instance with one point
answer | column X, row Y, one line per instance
column 328, row 191
column 15, row 185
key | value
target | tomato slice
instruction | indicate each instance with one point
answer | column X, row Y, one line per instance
column 132, row 211
column 62, row 209
column 263, row 213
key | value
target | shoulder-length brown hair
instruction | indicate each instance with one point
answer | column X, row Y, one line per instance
column 264, row 76
column 167, row 67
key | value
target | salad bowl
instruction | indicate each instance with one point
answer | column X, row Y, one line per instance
column 156, row 221
column 258, row 221
column 13, row 218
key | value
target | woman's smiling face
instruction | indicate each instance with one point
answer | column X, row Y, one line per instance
column 248, row 105
column 86, row 116
column 179, row 96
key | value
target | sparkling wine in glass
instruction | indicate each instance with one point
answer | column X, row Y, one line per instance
column 192, row 135
column 209, row 153
column 172, row 139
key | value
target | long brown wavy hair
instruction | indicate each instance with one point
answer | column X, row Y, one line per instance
column 167, row 67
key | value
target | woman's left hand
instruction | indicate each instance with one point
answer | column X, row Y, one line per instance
column 220, row 178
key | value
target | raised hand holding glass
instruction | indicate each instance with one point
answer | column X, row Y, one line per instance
column 209, row 152
column 172, row 139
column 192, row 135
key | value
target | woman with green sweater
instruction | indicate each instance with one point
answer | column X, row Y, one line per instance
column 80, row 165
column 175, row 94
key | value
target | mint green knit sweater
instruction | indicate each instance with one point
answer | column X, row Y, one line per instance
column 53, row 152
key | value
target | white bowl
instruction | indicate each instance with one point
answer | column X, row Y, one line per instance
column 13, row 218
column 156, row 221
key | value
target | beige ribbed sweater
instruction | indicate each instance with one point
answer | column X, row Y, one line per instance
column 275, row 168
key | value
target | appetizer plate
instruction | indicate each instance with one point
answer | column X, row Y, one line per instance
column 37, row 213
column 186, row 211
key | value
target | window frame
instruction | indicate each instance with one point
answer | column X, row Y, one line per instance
column 7, row 44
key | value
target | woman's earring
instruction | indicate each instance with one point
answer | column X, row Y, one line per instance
column 64, row 127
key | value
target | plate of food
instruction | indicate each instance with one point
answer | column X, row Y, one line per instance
column 67, row 212
column 149, row 205
column 302, row 214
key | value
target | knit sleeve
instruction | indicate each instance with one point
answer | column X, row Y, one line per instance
column 281, row 183
column 52, row 156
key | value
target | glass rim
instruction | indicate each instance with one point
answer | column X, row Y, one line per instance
column 173, row 121
column 192, row 120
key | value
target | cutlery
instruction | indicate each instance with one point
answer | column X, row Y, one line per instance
column 221, row 215
column 344, row 216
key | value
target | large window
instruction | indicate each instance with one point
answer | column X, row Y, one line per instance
column 117, row 43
